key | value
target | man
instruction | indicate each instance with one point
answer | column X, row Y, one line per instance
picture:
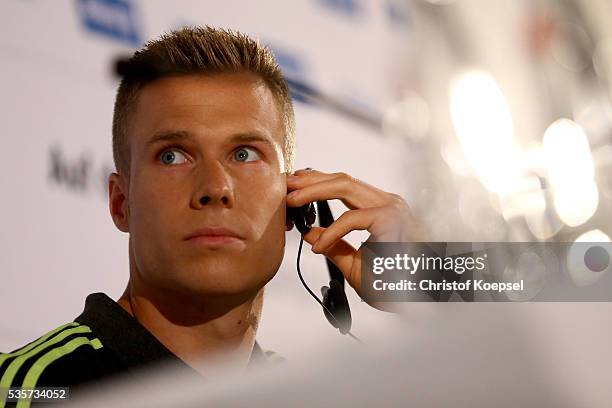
column 203, row 142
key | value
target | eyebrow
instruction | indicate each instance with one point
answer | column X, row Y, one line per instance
column 168, row 136
column 181, row 135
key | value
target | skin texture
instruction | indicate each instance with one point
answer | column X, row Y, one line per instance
column 386, row 216
column 195, row 297
column 204, row 301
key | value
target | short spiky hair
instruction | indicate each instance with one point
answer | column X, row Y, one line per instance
column 193, row 51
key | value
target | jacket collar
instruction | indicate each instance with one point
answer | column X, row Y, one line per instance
column 130, row 341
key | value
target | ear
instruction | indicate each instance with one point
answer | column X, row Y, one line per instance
column 118, row 201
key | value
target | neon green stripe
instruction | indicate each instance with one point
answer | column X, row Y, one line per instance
column 12, row 369
column 4, row 357
column 43, row 362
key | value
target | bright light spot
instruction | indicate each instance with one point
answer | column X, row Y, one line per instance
column 524, row 196
column 483, row 123
column 576, row 204
column 593, row 236
column 567, row 153
column 570, row 170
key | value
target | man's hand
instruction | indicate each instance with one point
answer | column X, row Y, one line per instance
column 385, row 216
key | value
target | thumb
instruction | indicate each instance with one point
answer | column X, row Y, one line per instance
column 313, row 235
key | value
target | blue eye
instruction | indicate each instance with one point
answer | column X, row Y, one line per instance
column 246, row 154
column 172, row 156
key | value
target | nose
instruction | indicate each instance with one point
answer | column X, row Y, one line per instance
column 213, row 186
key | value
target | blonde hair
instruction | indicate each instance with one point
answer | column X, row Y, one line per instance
column 198, row 50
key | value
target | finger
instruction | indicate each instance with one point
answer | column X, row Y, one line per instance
column 313, row 235
column 302, row 178
column 305, row 171
column 353, row 193
column 343, row 255
column 361, row 219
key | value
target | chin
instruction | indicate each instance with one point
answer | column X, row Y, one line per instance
column 220, row 280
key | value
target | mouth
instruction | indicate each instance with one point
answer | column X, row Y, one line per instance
column 214, row 237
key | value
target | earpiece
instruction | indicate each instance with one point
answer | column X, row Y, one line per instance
column 335, row 303
column 303, row 217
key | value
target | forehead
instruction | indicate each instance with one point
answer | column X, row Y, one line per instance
column 214, row 106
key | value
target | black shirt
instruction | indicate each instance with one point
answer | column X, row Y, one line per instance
column 102, row 342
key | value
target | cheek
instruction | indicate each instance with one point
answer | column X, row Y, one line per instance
column 268, row 219
column 266, row 203
column 153, row 202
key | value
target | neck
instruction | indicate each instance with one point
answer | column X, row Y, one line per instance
column 203, row 332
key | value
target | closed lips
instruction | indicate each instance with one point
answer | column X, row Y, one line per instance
column 213, row 232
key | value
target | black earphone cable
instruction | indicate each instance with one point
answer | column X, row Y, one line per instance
column 312, row 293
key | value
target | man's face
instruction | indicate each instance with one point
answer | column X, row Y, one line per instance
column 206, row 158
